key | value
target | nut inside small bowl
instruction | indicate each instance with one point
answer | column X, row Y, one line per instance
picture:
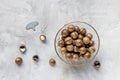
column 77, row 43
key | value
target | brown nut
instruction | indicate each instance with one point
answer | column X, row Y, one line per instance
column 68, row 40
column 89, row 35
column 70, row 48
column 71, row 28
column 18, row 60
column 75, row 57
column 86, row 40
column 42, row 37
column 77, row 29
column 80, row 36
column 52, row 62
column 87, row 55
column 91, row 43
column 83, row 31
column 82, row 50
column 91, row 49
column 61, row 43
column 68, row 56
column 65, row 33
column 63, row 50
column 74, row 35
column 76, row 49
column 78, row 42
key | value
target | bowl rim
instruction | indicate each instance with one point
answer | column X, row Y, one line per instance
column 65, row 26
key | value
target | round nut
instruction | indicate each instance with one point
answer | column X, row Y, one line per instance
column 42, row 37
column 82, row 50
column 91, row 43
column 89, row 35
column 74, row 35
column 71, row 28
column 80, row 36
column 68, row 56
column 75, row 57
column 76, row 49
column 61, row 43
column 52, row 62
column 87, row 55
column 18, row 60
column 77, row 29
column 78, row 42
column 68, row 40
column 91, row 49
column 69, row 48
column 63, row 50
column 86, row 40
column 83, row 31
column 65, row 33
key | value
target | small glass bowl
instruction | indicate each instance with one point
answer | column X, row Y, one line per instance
column 81, row 61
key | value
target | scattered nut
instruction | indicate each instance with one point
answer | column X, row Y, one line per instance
column 52, row 62
column 22, row 48
column 97, row 64
column 42, row 37
column 36, row 58
column 18, row 60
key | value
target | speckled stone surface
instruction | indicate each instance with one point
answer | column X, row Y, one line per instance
column 104, row 15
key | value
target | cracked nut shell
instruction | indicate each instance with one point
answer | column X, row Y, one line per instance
column 22, row 48
column 42, row 37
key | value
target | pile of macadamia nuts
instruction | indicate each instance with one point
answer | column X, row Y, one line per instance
column 76, row 43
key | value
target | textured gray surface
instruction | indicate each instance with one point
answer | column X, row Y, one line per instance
column 104, row 15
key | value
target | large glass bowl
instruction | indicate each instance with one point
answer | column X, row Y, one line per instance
column 81, row 61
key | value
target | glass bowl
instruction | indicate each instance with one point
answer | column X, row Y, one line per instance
column 81, row 61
